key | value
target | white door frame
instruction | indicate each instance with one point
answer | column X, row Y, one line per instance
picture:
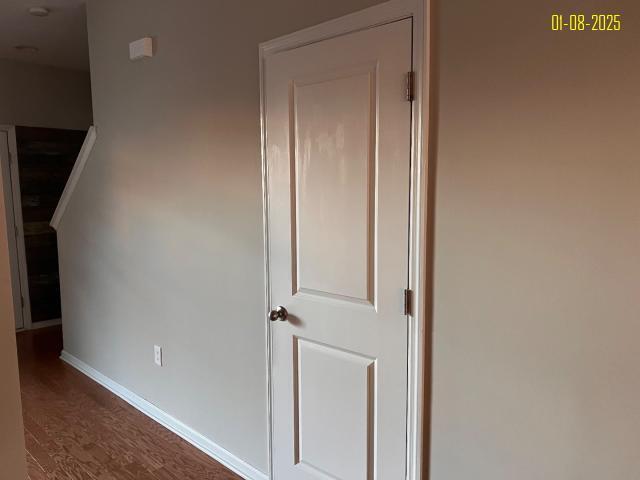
column 17, row 252
column 419, row 283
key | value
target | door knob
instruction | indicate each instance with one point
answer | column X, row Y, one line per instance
column 280, row 313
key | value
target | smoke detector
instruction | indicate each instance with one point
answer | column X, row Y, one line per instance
column 39, row 11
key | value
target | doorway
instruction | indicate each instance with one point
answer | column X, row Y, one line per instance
column 38, row 162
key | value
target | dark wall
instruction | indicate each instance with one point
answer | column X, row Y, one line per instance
column 45, row 158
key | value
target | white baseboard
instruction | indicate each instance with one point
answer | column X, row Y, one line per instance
column 199, row 441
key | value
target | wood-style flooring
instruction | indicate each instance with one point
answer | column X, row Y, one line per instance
column 76, row 430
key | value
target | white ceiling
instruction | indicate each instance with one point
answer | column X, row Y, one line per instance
column 61, row 37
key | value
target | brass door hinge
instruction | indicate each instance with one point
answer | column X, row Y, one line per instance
column 408, row 301
column 410, row 87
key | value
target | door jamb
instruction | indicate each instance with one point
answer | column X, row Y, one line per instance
column 17, row 250
column 419, row 254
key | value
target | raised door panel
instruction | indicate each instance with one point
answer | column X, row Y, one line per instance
column 334, row 404
column 334, row 181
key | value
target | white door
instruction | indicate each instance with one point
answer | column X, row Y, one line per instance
column 338, row 133
column 7, row 217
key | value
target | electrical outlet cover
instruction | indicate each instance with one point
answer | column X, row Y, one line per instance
column 157, row 355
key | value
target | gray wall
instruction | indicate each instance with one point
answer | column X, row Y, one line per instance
column 38, row 96
column 537, row 262
column 162, row 241
column 537, row 228
column 12, row 452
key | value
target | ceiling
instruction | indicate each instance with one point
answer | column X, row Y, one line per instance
column 60, row 37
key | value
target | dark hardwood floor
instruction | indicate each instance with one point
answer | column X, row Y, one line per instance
column 76, row 430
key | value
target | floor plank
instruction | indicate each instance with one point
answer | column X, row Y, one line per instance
column 77, row 430
column 34, row 469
